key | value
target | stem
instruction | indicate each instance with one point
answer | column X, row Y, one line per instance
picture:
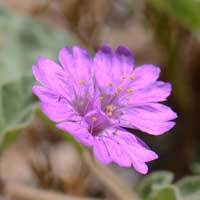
column 108, row 179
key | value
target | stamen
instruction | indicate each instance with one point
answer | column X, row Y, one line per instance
column 101, row 98
column 94, row 119
column 119, row 87
column 128, row 98
column 110, row 84
column 81, row 82
column 129, row 90
column 117, row 92
column 132, row 78
column 124, row 77
column 110, row 108
column 109, row 114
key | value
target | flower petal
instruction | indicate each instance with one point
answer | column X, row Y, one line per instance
column 136, row 148
column 52, row 76
column 59, row 112
column 141, row 167
column 117, row 153
column 145, row 75
column 45, row 95
column 152, row 118
column 76, row 62
column 101, row 151
column 156, row 92
column 39, row 75
column 126, row 149
column 78, row 130
column 119, row 64
column 125, row 61
column 102, row 65
column 66, row 58
column 55, row 107
column 153, row 112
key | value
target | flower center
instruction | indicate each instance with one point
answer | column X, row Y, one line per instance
column 97, row 122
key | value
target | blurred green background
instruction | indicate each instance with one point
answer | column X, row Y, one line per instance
column 164, row 33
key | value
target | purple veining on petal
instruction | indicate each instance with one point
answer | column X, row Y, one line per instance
column 95, row 99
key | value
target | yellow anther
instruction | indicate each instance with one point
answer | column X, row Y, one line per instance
column 119, row 87
column 81, row 82
column 94, row 119
column 101, row 98
column 110, row 84
column 123, row 77
column 109, row 114
column 129, row 90
column 132, row 78
column 110, row 108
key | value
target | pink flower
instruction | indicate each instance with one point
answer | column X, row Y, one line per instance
column 94, row 100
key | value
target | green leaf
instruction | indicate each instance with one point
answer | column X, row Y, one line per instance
column 165, row 193
column 154, row 180
column 189, row 187
column 17, row 105
column 22, row 41
column 186, row 12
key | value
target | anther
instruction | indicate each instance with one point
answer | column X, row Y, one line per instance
column 109, row 114
column 101, row 98
column 94, row 119
column 110, row 108
column 129, row 90
column 132, row 78
column 119, row 87
column 110, row 84
column 81, row 82
column 123, row 77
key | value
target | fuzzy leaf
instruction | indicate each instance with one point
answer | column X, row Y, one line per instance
column 189, row 187
column 22, row 41
column 165, row 193
column 152, row 181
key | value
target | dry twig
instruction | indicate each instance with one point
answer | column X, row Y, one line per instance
column 22, row 192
